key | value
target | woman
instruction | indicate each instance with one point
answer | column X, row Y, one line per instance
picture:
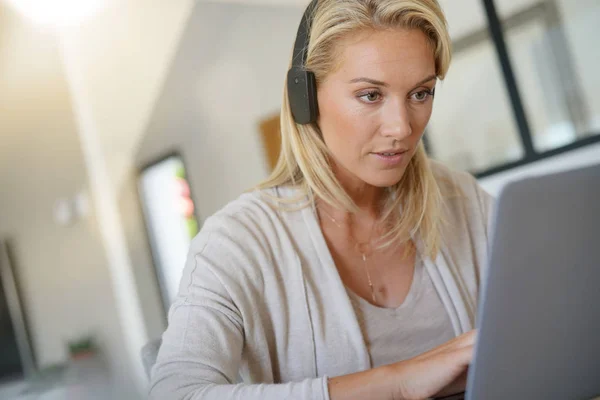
column 353, row 272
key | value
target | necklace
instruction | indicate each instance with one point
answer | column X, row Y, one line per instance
column 363, row 249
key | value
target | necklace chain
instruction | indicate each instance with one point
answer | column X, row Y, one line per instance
column 359, row 247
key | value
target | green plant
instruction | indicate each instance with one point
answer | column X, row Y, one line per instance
column 81, row 345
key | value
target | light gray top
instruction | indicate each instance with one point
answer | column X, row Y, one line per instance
column 261, row 297
column 419, row 324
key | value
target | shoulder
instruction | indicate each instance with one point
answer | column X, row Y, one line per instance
column 461, row 193
column 241, row 243
column 252, row 210
column 457, row 184
column 249, row 223
column 452, row 182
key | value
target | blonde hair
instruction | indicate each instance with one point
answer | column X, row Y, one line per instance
column 414, row 203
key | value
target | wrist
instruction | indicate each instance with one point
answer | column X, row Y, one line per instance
column 381, row 383
column 395, row 381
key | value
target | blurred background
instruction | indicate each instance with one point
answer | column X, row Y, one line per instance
column 124, row 124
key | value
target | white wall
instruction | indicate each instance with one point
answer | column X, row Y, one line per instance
column 62, row 269
column 123, row 54
column 119, row 58
column 227, row 75
column 120, row 72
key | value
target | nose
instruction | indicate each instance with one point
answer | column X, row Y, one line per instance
column 396, row 120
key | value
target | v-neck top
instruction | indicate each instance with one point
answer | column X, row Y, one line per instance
column 419, row 324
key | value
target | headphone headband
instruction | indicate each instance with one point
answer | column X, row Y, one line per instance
column 301, row 83
column 302, row 37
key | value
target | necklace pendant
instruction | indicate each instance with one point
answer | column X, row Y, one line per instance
column 363, row 248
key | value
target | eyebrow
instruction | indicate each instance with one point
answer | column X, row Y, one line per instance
column 368, row 80
column 380, row 83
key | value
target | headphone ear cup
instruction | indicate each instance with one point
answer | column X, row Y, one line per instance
column 302, row 95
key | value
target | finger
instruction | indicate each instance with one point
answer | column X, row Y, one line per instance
column 469, row 336
column 466, row 339
column 459, row 342
column 464, row 355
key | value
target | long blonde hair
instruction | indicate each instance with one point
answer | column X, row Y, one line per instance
column 414, row 203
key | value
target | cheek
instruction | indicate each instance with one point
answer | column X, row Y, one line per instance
column 420, row 118
column 345, row 128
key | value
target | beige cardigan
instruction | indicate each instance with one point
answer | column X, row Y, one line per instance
column 261, row 297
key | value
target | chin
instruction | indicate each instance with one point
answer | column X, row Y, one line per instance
column 383, row 179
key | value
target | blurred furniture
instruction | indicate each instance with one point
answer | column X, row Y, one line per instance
column 271, row 139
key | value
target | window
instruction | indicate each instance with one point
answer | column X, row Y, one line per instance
column 521, row 84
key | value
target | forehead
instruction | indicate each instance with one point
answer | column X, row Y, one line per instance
column 389, row 55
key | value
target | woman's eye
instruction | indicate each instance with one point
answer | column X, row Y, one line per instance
column 422, row 95
column 370, row 97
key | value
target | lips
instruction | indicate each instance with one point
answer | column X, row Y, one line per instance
column 390, row 158
column 391, row 152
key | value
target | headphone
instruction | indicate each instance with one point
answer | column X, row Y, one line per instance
column 301, row 83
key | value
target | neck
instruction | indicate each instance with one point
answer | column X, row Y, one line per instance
column 367, row 197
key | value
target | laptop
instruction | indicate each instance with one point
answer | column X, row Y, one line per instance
column 539, row 311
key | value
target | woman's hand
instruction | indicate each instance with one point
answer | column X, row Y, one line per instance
column 441, row 371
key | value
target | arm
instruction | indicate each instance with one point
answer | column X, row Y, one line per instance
column 200, row 356
column 202, row 347
column 439, row 372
